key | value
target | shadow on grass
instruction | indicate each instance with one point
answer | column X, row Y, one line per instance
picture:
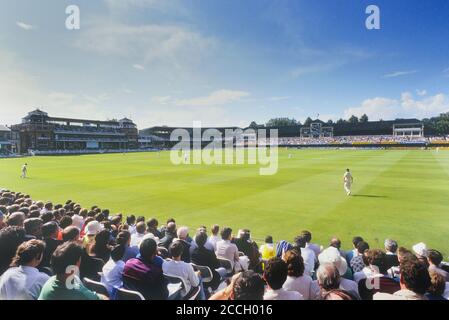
column 368, row 196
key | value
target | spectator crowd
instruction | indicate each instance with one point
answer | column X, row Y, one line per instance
column 67, row 252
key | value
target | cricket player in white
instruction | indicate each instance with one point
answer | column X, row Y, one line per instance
column 24, row 171
column 348, row 180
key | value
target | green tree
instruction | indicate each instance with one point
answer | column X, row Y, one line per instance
column 281, row 122
column 308, row 122
column 353, row 119
column 364, row 118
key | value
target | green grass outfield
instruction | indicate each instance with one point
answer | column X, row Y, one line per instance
column 403, row 194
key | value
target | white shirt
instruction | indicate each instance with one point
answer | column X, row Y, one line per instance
column 308, row 256
column 347, row 178
column 228, row 250
column 213, row 240
column 136, row 239
column 112, row 274
column 364, row 274
column 282, row 294
column 22, row 283
column 302, row 284
column 184, row 271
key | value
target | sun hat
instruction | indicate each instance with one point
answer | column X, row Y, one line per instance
column 420, row 249
column 332, row 255
column 93, row 228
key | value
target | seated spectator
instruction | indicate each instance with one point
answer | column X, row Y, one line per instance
column 328, row 279
column 243, row 242
column 152, row 228
column 267, row 250
column 209, row 246
column 91, row 230
column 391, row 247
column 71, row 234
column 414, row 281
column 437, row 288
column 162, row 229
column 124, row 239
column 246, row 285
column 296, row 279
column 131, row 222
column 144, row 273
column 138, row 235
column 50, row 234
column 421, row 252
column 10, row 239
column 275, row 275
column 183, row 234
column 308, row 255
column 33, row 228
column 204, row 257
column 357, row 263
column 90, row 265
column 351, row 254
column 23, row 281
column 177, row 267
column 65, row 262
column 282, row 247
column 16, row 219
column 332, row 255
column 100, row 248
column 47, row 216
column 214, row 237
column 255, row 262
column 435, row 258
column 377, row 279
column 169, row 235
column 309, row 245
column 113, row 269
column 228, row 250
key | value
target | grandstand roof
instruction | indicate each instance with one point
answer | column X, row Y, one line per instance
column 4, row 128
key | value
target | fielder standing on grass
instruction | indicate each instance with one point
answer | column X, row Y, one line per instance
column 348, row 180
column 24, row 171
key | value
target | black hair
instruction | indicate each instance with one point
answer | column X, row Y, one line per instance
column 65, row 255
column 176, row 249
column 10, row 239
column 201, row 239
column 226, row 233
column 275, row 273
column 249, row 286
column 148, row 248
column 268, row 239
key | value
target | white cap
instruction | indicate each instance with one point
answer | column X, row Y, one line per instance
column 332, row 255
column 420, row 249
column 93, row 228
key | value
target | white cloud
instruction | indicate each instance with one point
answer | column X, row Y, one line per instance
column 25, row 26
column 152, row 44
column 446, row 72
column 399, row 73
column 281, row 98
column 405, row 107
column 161, row 99
column 138, row 67
column 216, row 98
column 421, row 92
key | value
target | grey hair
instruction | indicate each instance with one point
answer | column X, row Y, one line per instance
column 328, row 276
column 391, row 245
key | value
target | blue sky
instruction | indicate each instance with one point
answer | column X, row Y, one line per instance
column 223, row 62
